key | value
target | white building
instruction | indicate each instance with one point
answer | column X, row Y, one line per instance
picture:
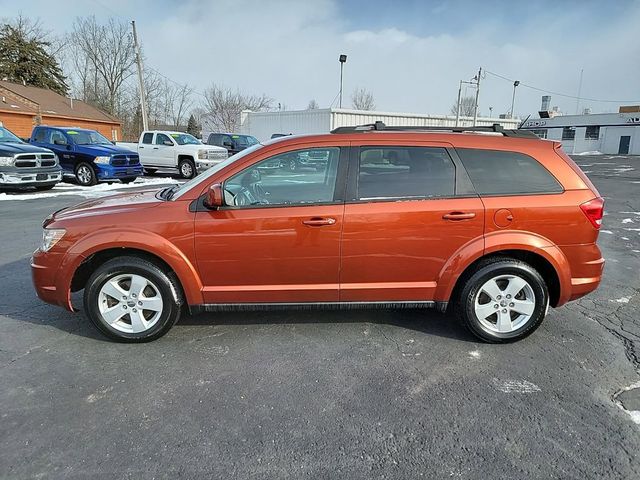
column 264, row 124
column 612, row 133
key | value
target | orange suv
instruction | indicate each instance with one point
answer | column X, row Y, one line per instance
column 495, row 225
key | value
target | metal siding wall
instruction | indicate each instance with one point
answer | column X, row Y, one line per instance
column 263, row 124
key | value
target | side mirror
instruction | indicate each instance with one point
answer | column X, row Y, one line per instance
column 227, row 145
column 168, row 143
column 59, row 142
column 214, row 197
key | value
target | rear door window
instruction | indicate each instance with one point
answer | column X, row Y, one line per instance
column 405, row 173
column 147, row 138
column 494, row 172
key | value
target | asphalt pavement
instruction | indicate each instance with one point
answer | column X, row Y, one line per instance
column 336, row 394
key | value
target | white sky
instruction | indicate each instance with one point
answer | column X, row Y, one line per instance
column 410, row 55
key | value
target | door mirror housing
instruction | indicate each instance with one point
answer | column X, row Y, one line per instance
column 168, row 143
column 214, row 197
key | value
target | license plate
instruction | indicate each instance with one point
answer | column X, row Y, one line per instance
column 42, row 176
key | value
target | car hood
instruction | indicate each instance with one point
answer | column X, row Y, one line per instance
column 122, row 202
column 10, row 149
column 102, row 150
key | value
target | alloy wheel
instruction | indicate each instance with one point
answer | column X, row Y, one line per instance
column 84, row 175
column 505, row 303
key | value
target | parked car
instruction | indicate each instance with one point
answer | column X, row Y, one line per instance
column 472, row 223
column 233, row 142
column 88, row 155
column 23, row 165
column 176, row 151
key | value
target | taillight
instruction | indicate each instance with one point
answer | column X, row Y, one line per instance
column 594, row 210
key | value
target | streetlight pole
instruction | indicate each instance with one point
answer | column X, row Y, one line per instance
column 343, row 59
column 475, row 110
column 513, row 98
column 458, row 104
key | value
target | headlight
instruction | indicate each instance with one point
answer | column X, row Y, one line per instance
column 102, row 160
column 6, row 161
column 202, row 154
column 51, row 236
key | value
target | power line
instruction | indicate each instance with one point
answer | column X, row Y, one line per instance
column 560, row 94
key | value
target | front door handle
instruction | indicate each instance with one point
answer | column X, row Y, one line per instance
column 459, row 216
column 319, row 221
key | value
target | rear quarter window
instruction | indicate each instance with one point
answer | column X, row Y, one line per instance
column 495, row 172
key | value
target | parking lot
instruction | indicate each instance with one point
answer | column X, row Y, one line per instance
column 333, row 394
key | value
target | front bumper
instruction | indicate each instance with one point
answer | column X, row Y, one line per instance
column 30, row 177
column 202, row 165
column 109, row 172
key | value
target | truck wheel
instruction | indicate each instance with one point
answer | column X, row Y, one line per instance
column 128, row 180
column 42, row 188
column 85, row 175
column 132, row 300
column 503, row 300
column 187, row 168
column 150, row 171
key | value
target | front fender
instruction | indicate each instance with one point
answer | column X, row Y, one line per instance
column 499, row 241
column 146, row 241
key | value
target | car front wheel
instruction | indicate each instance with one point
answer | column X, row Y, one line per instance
column 130, row 299
column 85, row 174
column 503, row 300
column 187, row 168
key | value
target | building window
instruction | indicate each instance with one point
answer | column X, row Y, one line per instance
column 592, row 133
column 542, row 133
column 568, row 133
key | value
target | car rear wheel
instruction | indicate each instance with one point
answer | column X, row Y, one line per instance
column 150, row 171
column 503, row 300
column 132, row 300
column 187, row 168
column 128, row 180
column 85, row 175
column 42, row 188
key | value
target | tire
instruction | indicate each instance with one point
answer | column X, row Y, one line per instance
column 128, row 180
column 85, row 174
column 150, row 171
column 160, row 291
column 511, row 293
column 43, row 188
column 187, row 168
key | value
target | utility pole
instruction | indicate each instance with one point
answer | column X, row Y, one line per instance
column 513, row 98
column 143, row 97
column 475, row 109
column 458, row 104
column 579, row 92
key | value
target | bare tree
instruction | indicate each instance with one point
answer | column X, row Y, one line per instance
column 223, row 106
column 362, row 99
column 467, row 106
column 178, row 101
column 313, row 105
column 107, row 54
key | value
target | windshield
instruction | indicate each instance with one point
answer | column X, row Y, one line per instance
column 87, row 137
column 185, row 139
column 213, row 170
column 7, row 137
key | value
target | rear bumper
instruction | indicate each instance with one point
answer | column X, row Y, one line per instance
column 587, row 265
column 31, row 177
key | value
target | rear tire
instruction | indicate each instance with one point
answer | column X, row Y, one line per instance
column 150, row 171
column 43, row 188
column 502, row 300
column 85, row 174
column 128, row 180
column 187, row 168
column 132, row 300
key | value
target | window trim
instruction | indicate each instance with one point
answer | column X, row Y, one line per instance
column 524, row 194
column 463, row 188
column 338, row 192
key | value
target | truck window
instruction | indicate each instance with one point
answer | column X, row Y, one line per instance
column 147, row 138
column 41, row 135
column 161, row 138
column 57, row 138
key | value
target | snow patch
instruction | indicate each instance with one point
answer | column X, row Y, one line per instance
column 621, row 300
column 474, row 354
column 515, row 386
column 634, row 414
column 607, row 231
column 592, row 152
column 627, row 220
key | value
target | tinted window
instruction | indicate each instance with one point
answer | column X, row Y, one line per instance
column 495, row 172
column 56, row 137
column 273, row 182
column 405, row 172
column 161, row 138
column 147, row 138
column 40, row 136
column 214, row 139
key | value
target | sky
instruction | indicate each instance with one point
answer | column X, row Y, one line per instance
column 409, row 54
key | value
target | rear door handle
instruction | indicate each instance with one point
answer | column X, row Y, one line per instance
column 459, row 216
column 319, row 221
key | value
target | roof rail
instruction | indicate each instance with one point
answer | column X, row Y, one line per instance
column 380, row 126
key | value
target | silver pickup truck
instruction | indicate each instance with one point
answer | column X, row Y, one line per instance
column 24, row 165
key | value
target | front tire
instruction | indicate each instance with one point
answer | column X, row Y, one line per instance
column 187, row 168
column 128, row 180
column 150, row 171
column 44, row 188
column 85, row 174
column 503, row 300
column 132, row 300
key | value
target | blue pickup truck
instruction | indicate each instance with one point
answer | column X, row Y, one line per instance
column 88, row 155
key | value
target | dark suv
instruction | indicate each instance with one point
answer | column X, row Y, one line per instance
column 233, row 142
